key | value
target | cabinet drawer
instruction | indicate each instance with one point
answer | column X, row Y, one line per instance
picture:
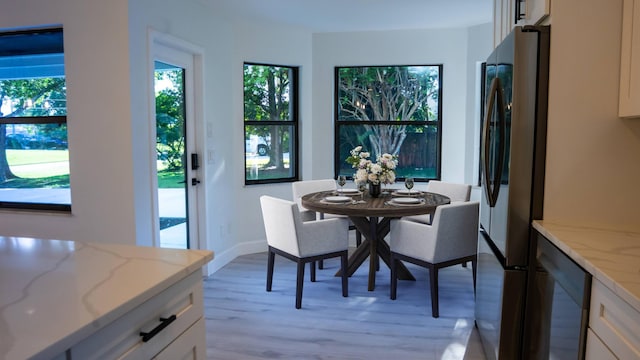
column 596, row 349
column 615, row 322
column 122, row 340
column 190, row 345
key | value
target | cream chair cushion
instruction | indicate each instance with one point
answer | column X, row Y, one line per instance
column 455, row 192
column 286, row 231
column 453, row 234
column 304, row 187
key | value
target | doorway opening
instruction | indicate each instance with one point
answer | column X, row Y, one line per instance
column 170, row 148
column 176, row 165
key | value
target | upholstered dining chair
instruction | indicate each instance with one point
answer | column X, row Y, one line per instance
column 454, row 191
column 303, row 241
column 304, row 187
column 451, row 239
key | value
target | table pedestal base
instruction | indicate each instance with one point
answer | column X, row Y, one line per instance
column 373, row 247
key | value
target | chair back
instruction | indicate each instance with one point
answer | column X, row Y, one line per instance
column 455, row 192
column 456, row 230
column 304, row 187
column 281, row 221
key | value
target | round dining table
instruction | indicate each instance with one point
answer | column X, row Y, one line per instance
column 372, row 217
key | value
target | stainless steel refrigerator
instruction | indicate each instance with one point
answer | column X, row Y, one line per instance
column 513, row 151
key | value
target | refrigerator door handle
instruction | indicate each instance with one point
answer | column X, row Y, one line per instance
column 502, row 125
column 487, row 145
column 492, row 183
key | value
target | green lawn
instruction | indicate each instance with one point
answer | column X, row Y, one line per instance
column 54, row 171
column 170, row 179
column 38, row 168
column 60, row 181
column 27, row 157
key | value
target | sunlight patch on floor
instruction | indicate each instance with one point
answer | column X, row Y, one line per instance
column 454, row 351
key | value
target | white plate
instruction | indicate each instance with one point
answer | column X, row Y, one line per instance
column 348, row 191
column 337, row 199
column 406, row 200
column 401, row 192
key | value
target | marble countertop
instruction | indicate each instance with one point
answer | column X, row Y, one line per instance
column 54, row 293
column 612, row 257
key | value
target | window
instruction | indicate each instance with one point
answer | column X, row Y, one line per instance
column 34, row 158
column 390, row 109
column 270, row 123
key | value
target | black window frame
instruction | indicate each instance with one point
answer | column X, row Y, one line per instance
column 293, row 123
column 339, row 160
column 42, row 45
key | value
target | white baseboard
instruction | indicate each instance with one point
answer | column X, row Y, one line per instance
column 251, row 247
column 223, row 258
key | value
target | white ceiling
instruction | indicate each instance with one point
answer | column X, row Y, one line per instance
column 361, row 15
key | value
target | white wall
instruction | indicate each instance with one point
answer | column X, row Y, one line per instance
column 107, row 49
column 97, row 73
column 210, row 35
column 450, row 47
column 317, row 55
column 593, row 157
column 592, row 162
column 480, row 46
column 269, row 44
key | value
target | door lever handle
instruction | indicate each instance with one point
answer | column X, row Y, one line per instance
column 195, row 181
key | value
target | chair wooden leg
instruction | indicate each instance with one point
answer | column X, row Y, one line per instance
column 433, row 274
column 345, row 276
column 321, row 264
column 299, row 284
column 312, row 266
column 464, row 264
column 358, row 238
column 270, row 262
column 394, row 276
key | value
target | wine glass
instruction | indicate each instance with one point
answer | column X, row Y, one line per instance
column 362, row 186
column 342, row 180
column 408, row 183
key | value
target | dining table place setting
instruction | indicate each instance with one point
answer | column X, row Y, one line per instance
column 337, row 199
column 405, row 201
column 404, row 192
column 348, row 192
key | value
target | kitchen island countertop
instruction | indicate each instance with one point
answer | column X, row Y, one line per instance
column 612, row 257
column 54, row 293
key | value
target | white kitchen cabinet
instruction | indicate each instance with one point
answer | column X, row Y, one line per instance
column 503, row 19
column 596, row 349
column 614, row 323
column 107, row 295
column 184, row 335
column 629, row 105
column 535, row 12
column 190, row 345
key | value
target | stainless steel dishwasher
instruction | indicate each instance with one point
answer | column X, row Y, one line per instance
column 559, row 308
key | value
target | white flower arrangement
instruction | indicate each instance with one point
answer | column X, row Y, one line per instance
column 382, row 171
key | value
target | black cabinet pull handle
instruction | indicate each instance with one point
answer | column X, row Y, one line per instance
column 163, row 324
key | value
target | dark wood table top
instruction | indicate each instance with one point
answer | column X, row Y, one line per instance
column 373, row 207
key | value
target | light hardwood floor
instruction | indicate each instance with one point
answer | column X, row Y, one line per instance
column 245, row 322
